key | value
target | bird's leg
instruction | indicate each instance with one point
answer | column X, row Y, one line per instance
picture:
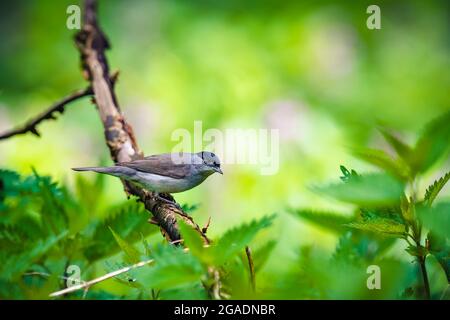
column 169, row 201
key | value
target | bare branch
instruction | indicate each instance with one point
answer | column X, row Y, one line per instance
column 30, row 126
column 90, row 283
column 92, row 44
column 49, row 114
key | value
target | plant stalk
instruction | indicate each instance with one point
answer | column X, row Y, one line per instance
column 426, row 283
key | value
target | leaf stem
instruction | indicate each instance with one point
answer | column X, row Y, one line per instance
column 251, row 267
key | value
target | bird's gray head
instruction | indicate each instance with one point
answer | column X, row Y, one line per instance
column 210, row 162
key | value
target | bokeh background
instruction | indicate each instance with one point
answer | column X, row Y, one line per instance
column 311, row 69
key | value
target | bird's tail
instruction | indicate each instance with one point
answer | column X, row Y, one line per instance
column 117, row 171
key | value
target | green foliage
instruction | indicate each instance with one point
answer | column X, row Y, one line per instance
column 436, row 218
column 329, row 220
column 235, row 240
column 43, row 229
column 383, row 161
column 262, row 254
column 403, row 150
column 434, row 189
column 389, row 207
column 173, row 269
column 132, row 255
column 439, row 247
column 370, row 190
column 14, row 265
column 129, row 221
column 380, row 225
column 38, row 242
column 432, row 145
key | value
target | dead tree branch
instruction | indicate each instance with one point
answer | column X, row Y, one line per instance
column 30, row 126
column 88, row 284
column 92, row 44
column 49, row 114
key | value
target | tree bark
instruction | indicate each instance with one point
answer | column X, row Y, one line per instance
column 119, row 136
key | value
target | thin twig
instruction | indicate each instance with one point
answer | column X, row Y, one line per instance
column 90, row 283
column 49, row 114
column 30, row 126
column 251, row 267
column 205, row 228
column 47, row 275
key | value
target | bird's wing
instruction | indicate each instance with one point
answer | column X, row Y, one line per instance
column 161, row 165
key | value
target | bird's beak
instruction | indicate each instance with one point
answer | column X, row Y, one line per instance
column 218, row 170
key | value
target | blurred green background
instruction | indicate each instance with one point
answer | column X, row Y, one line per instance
column 311, row 69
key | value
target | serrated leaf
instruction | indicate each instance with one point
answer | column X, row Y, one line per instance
column 129, row 221
column 380, row 225
column 132, row 255
column 329, row 220
column 368, row 190
column 235, row 240
column 173, row 268
column 382, row 160
column 433, row 190
column 433, row 144
column 16, row 264
column 359, row 247
column 440, row 248
column 403, row 150
column 262, row 254
column 194, row 242
column 347, row 175
column 436, row 219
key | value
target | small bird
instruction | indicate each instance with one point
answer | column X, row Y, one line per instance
column 165, row 173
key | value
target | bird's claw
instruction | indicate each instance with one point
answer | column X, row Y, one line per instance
column 171, row 202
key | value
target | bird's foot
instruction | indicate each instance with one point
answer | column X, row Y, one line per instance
column 171, row 202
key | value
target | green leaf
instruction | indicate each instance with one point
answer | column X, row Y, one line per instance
column 190, row 292
column 347, row 175
column 436, row 219
column 129, row 221
column 189, row 208
column 369, row 190
column 15, row 265
column 433, row 144
column 379, row 225
column 417, row 251
column 11, row 238
column 235, row 240
column 132, row 255
column 360, row 248
column 403, row 150
column 382, row 160
column 329, row 220
column 439, row 247
column 193, row 241
column 173, row 268
column 262, row 254
column 435, row 188
column 90, row 190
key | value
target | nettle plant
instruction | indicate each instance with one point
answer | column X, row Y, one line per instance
column 389, row 205
column 49, row 240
